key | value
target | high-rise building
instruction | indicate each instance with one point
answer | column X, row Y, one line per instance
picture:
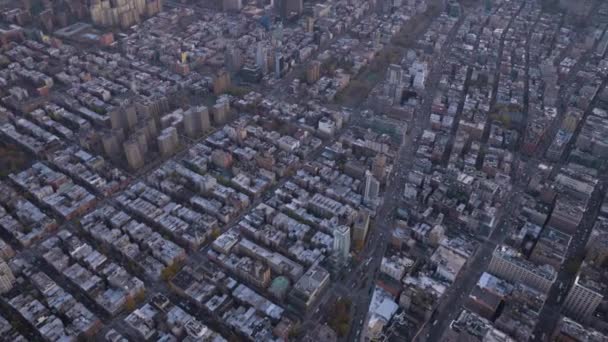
column 168, row 141
column 261, row 57
column 278, row 63
column 395, row 74
column 394, row 87
column 142, row 140
column 221, row 110
column 232, row 5
column 313, row 72
column 130, row 113
column 342, row 242
column 379, row 167
column 111, row 145
column 116, row 119
column 204, row 119
column 123, row 118
column 196, row 121
column 372, row 188
column 7, row 279
column 251, row 74
column 233, row 58
column 309, row 24
column 398, row 94
column 135, row 157
column 287, row 8
column 221, row 82
column 376, row 35
column 586, row 293
column 124, row 13
column 360, row 227
column 510, row 265
column 191, row 127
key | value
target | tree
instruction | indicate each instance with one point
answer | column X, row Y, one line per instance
column 572, row 266
column 140, row 296
column 11, row 159
column 238, row 91
column 130, row 304
column 340, row 317
column 295, row 331
column 343, row 329
column 170, row 271
column 216, row 233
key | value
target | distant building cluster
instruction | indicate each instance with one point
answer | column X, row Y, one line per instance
column 507, row 79
column 226, row 170
column 123, row 13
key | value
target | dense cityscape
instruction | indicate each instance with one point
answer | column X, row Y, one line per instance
column 316, row 171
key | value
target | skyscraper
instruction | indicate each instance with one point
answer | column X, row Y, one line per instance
column 342, row 243
column 233, row 58
column 372, row 188
column 395, row 86
column 278, row 63
column 313, row 72
column 261, row 57
column 360, row 227
column 379, row 166
column 395, row 74
column 204, row 120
